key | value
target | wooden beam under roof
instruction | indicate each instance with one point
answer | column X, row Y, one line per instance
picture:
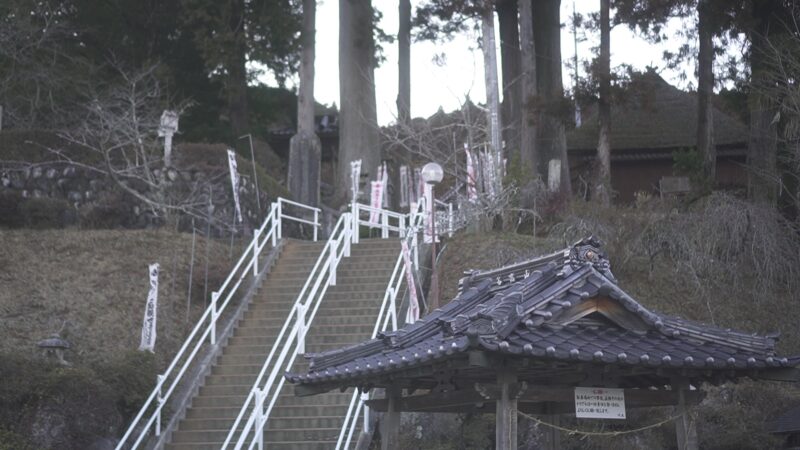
column 483, row 400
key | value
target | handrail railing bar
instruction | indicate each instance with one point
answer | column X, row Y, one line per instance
column 316, row 273
column 291, row 202
column 272, row 223
column 305, row 221
column 382, row 321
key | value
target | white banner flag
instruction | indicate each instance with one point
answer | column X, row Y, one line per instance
column 420, row 184
column 375, row 202
column 385, row 181
column 355, row 178
column 472, row 191
column 150, row 312
column 412, row 315
column 429, row 208
column 404, row 186
column 235, row 183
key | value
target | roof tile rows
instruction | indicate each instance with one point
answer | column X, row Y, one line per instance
column 566, row 307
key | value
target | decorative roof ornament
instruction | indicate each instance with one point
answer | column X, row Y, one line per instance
column 590, row 251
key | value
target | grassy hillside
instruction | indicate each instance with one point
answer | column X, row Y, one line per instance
column 97, row 281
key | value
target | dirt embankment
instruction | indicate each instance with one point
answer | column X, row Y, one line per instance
column 92, row 286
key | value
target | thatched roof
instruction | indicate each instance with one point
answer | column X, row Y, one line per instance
column 655, row 115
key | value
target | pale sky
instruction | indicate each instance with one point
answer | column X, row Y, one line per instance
column 446, row 85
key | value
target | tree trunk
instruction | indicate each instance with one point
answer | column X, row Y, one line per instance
column 762, row 147
column 492, row 94
column 705, row 89
column 510, row 59
column 603, row 181
column 237, row 72
column 552, row 106
column 305, row 149
column 404, row 63
column 358, row 124
column 528, row 89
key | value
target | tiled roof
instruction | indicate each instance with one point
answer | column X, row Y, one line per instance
column 565, row 307
column 654, row 115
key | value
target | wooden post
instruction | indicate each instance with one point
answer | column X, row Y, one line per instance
column 685, row 426
column 506, row 412
column 391, row 421
column 552, row 436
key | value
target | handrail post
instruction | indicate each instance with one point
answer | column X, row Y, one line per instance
column 332, row 264
column 272, row 213
column 301, row 328
column 316, row 224
column 403, row 226
column 160, row 383
column 384, row 224
column 255, row 253
column 348, row 234
column 279, row 220
column 259, row 400
column 214, row 298
column 393, row 308
column 355, row 220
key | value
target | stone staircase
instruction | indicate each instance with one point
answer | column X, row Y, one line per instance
column 346, row 316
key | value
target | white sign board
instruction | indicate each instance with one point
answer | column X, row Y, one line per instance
column 599, row 403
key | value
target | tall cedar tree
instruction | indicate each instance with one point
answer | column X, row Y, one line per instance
column 305, row 149
column 358, row 124
column 528, row 88
column 510, row 56
column 404, row 62
column 602, row 184
column 552, row 106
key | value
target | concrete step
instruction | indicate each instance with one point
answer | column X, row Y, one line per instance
column 321, row 319
column 266, row 341
column 275, row 423
column 218, row 436
column 223, row 380
column 335, row 294
column 222, row 412
column 342, row 277
column 246, row 330
column 329, row 308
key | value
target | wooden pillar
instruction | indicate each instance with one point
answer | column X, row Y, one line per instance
column 552, row 436
column 506, row 413
column 391, row 421
column 685, row 425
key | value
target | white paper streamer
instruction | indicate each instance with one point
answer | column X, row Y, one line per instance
column 150, row 312
column 412, row 314
column 404, row 186
column 355, row 178
column 472, row 190
column 235, row 183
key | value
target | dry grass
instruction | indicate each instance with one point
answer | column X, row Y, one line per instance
column 97, row 281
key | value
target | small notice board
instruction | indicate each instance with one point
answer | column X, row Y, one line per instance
column 599, row 403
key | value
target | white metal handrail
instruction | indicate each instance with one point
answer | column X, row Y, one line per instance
column 384, row 216
column 206, row 327
column 321, row 277
column 386, row 315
